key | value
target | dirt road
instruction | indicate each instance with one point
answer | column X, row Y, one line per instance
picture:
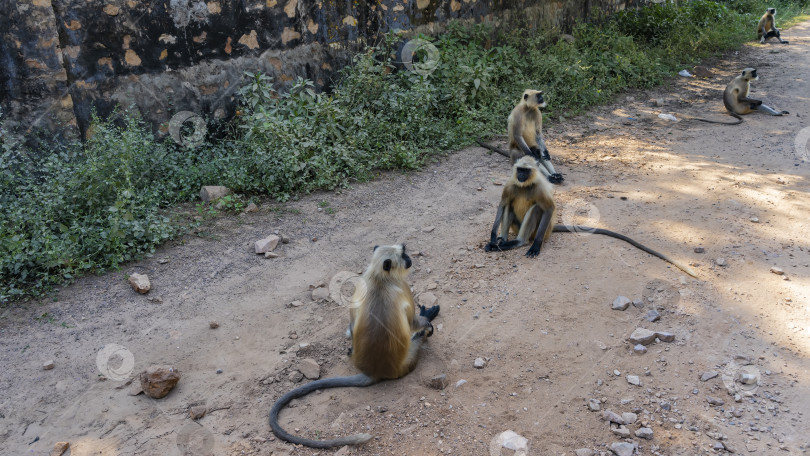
column 545, row 326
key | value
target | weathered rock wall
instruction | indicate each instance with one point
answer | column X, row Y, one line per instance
column 61, row 59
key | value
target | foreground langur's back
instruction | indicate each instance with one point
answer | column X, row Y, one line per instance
column 381, row 312
column 386, row 335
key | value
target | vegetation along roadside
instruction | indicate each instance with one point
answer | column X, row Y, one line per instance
column 72, row 209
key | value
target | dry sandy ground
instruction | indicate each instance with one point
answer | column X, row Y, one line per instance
column 545, row 325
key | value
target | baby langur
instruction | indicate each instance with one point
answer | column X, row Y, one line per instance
column 736, row 97
column 525, row 125
column 767, row 27
column 527, row 207
column 386, row 334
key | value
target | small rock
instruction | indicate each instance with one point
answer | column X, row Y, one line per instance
column 211, row 193
column 620, row 303
column 270, row 255
column 460, row 382
column 754, row 220
column 584, row 452
column 428, row 229
column 652, row 315
column 296, row 303
column 140, row 283
column 48, row 365
column 747, row 378
column 629, row 417
column 432, row 286
column 777, row 271
column 644, row 433
column 595, row 405
column 134, row 389
column 252, row 207
column 157, row 380
column 616, row 372
column 718, row 446
column 642, row 336
column 267, row 244
column 721, row 262
column 665, row 405
column 570, row 39
column 638, row 303
column 714, row 401
column 708, row 376
column 620, row 430
column 197, row 412
column 622, row 448
column 703, row 72
column 633, row 380
column 438, row 382
column 284, row 239
column 310, row 368
column 213, row 324
column 218, row 371
column 479, row 363
column 658, row 102
column 512, row 441
column 665, row 336
column 59, row 448
column 612, row 417
column 427, row 299
column 699, row 250
column 320, row 294
column 639, row 349
column 295, row 376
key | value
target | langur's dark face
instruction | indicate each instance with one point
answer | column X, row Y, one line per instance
column 772, row 11
column 523, row 174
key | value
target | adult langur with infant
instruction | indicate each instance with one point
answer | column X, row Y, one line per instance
column 386, row 334
column 525, row 126
column 767, row 27
column 527, row 207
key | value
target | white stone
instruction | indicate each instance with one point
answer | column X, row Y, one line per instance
column 267, row 244
column 479, row 363
column 211, row 193
column 140, row 283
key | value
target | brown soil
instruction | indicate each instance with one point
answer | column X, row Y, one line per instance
column 545, row 325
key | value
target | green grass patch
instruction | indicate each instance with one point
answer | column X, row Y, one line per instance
column 77, row 209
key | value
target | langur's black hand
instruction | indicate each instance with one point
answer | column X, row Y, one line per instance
column 533, row 252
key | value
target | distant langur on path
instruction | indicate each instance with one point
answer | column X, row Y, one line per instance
column 527, row 207
column 386, row 333
column 767, row 27
column 525, row 125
